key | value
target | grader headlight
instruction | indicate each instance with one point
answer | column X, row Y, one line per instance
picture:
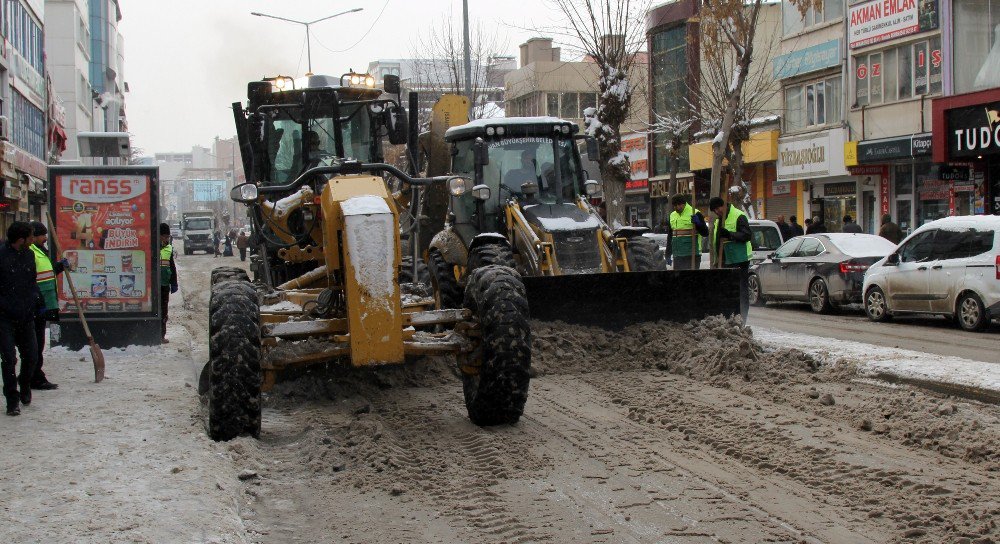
column 458, row 185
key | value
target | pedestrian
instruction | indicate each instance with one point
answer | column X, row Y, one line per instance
column 890, row 231
column 684, row 234
column 227, row 246
column 216, row 242
column 242, row 243
column 168, row 276
column 809, row 224
column 817, row 226
column 731, row 244
column 795, row 226
column 19, row 304
column 784, row 228
column 46, row 273
column 850, row 225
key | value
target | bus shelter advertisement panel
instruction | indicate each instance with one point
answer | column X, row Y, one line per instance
column 105, row 232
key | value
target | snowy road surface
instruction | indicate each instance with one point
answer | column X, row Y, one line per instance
column 660, row 434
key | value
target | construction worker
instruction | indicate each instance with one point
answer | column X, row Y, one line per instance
column 45, row 274
column 731, row 244
column 168, row 276
column 685, row 229
column 19, row 301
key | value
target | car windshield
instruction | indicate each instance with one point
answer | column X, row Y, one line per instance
column 765, row 237
column 863, row 245
column 201, row 223
column 294, row 148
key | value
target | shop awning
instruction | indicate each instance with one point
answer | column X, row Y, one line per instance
column 58, row 138
column 761, row 147
column 35, row 185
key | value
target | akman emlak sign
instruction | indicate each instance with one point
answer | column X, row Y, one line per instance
column 878, row 21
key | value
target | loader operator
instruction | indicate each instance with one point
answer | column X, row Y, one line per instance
column 731, row 244
column 685, row 230
column 514, row 178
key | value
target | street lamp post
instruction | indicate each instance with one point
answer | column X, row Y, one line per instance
column 306, row 24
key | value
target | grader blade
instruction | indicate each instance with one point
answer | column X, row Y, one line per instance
column 614, row 301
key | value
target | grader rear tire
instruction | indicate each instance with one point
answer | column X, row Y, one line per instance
column 496, row 395
column 225, row 273
column 234, row 375
column 491, row 254
column 406, row 272
column 447, row 293
column 642, row 255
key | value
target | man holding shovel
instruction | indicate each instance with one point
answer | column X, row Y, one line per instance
column 46, row 272
column 731, row 243
column 19, row 304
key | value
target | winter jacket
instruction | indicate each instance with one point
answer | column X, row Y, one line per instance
column 242, row 242
column 20, row 299
column 891, row 231
column 852, row 227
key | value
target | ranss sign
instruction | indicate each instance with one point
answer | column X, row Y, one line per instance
column 104, row 222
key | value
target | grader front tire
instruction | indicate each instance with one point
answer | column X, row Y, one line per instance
column 486, row 254
column 447, row 293
column 234, row 375
column 496, row 394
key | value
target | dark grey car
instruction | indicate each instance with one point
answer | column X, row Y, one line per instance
column 822, row 269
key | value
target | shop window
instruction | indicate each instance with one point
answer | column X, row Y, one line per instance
column 898, row 73
column 903, row 176
column 976, row 54
column 793, row 21
column 812, row 104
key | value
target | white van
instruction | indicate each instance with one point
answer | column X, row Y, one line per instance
column 947, row 267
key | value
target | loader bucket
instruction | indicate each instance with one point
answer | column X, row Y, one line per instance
column 614, row 301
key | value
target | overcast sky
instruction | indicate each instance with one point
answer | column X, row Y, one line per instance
column 186, row 61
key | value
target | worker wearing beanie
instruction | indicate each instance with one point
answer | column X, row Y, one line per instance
column 168, row 275
column 731, row 243
column 45, row 275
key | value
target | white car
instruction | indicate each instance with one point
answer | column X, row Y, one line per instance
column 948, row 267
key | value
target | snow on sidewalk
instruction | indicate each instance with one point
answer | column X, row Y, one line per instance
column 902, row 363
column 126, row 460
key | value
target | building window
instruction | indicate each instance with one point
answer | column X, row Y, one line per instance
column 28, row 126
column 569, row 105
column 669, row 79
column 794, row 22
column 812, row 104
column 976, row 51
column 26, row 36
column 898, row 73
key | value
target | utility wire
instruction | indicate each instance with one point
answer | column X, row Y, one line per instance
column 355, row 44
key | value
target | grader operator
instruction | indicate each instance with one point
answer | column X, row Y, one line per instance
column 329, row 289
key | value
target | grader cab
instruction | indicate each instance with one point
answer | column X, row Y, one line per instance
column 330, row 233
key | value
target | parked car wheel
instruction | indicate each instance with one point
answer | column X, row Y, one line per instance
column 876, row 305
column 753, row 286
column 971, row 312
column 819, row 296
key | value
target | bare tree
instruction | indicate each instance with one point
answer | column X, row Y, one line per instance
column 728, row 29
column 438, row 66
column 611, row 33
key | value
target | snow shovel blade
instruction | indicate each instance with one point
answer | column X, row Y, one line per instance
column 617, row 300
column 98, row 356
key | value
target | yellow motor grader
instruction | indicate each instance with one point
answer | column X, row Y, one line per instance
column 326, row 224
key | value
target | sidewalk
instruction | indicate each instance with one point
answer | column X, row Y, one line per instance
column 126, row 460
column 979, row 380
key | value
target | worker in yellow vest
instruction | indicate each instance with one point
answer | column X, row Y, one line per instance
column 731, row 245
column 685, row 230
column 45, row 274
column 168, row 276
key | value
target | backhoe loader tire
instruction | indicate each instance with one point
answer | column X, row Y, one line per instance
column 642, row 255
column 406, row 272
column 224, row 273
column 234, row 376
column 496, row 395
column 447, row 293
column 487, row 254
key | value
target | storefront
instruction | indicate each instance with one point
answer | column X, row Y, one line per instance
column 966, row 153
column 899, row 171
column 760, row 153
column 813, row 165
column 637, row 205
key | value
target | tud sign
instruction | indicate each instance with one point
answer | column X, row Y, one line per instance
column 974, row 131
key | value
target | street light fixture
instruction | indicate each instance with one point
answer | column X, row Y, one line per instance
column 308, row 40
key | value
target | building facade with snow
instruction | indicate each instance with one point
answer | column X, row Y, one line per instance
column 67, row 51
column 679, row 77
column 544, row 84
column 107, row 66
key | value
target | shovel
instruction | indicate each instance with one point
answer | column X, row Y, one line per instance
column 95, row 351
